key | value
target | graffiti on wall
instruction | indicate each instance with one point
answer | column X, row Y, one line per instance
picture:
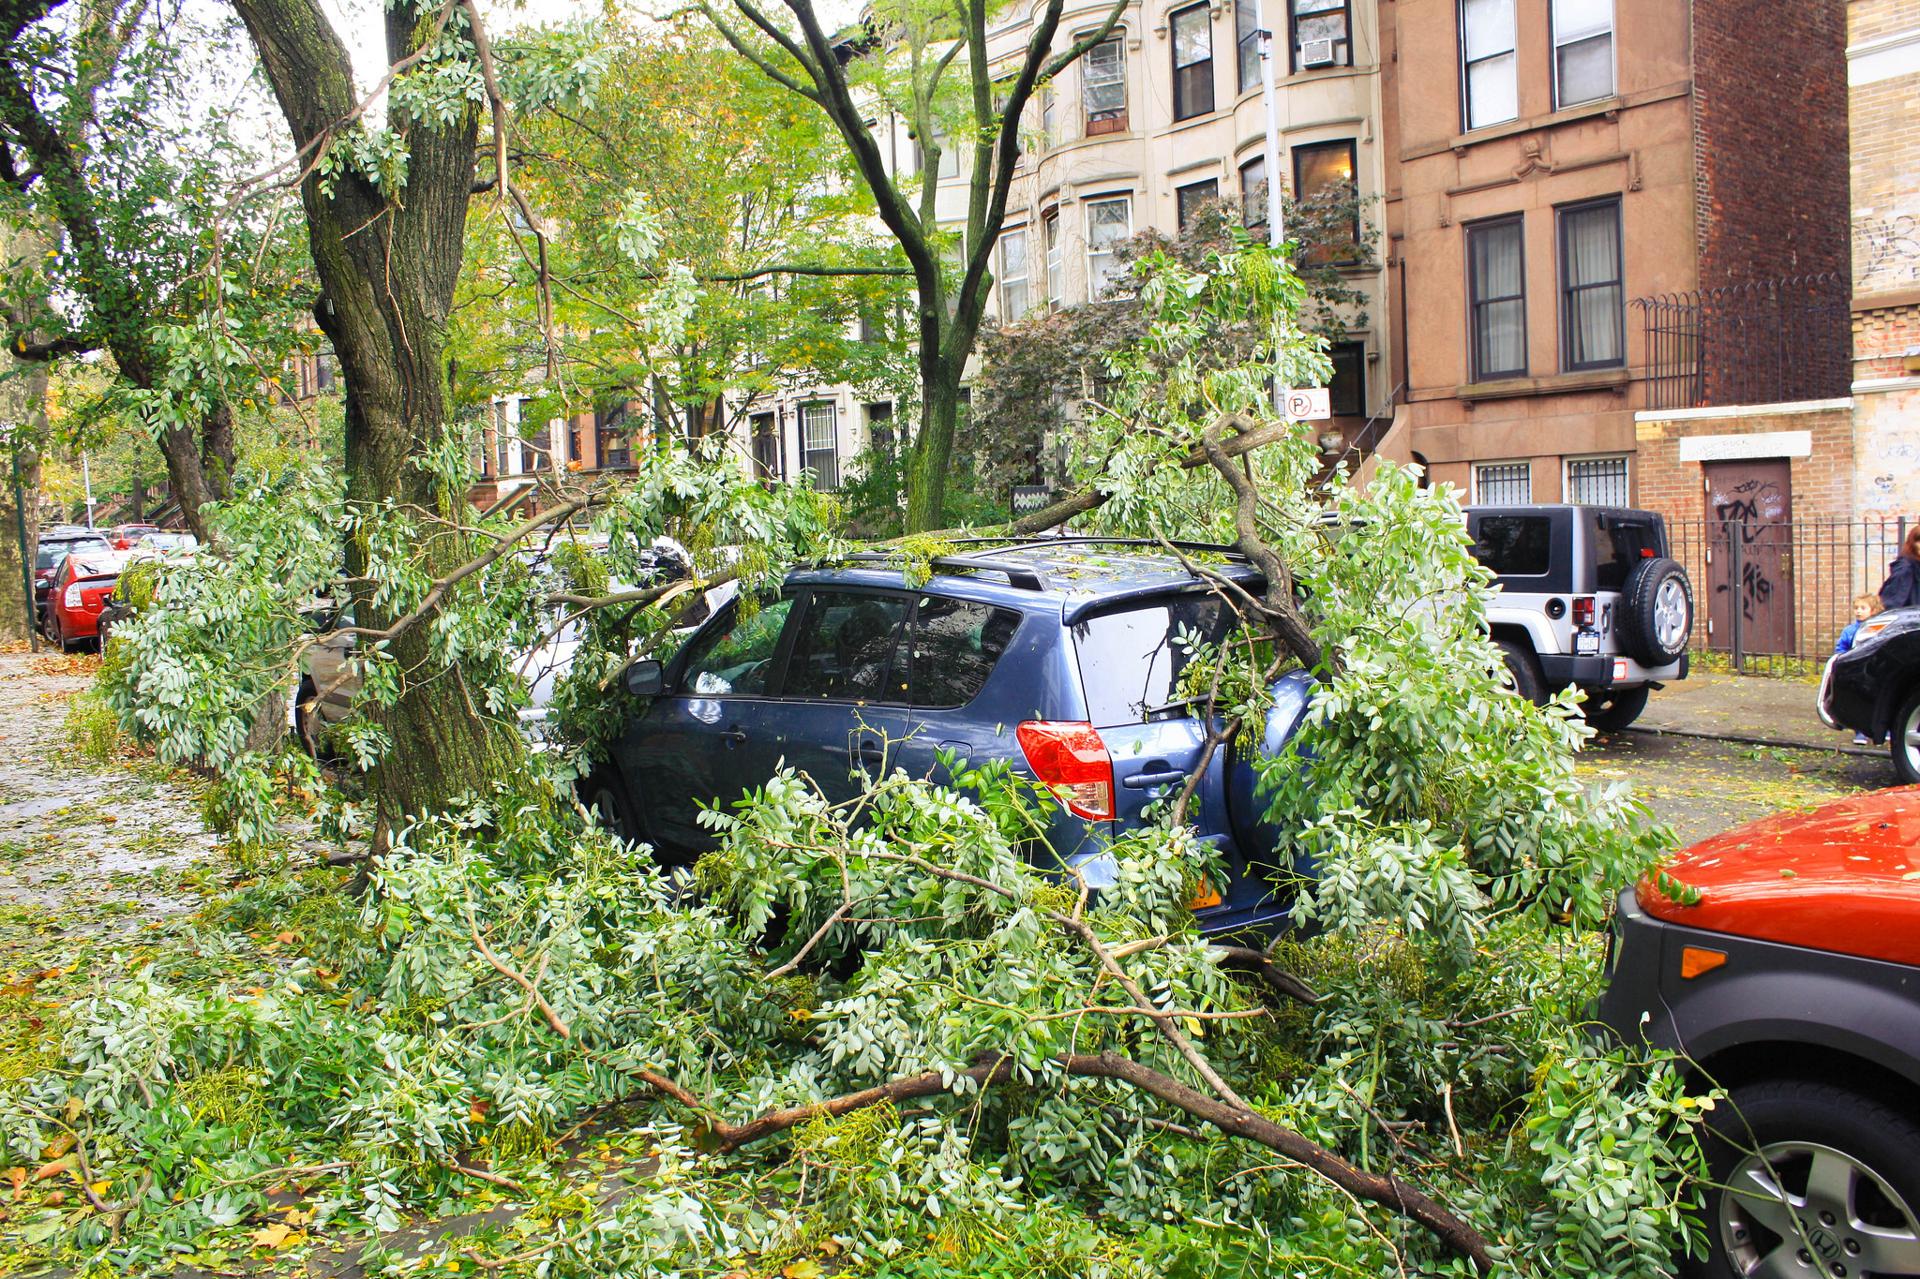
column 1886, row 249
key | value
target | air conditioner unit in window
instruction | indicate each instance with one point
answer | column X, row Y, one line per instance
column 1316, row 53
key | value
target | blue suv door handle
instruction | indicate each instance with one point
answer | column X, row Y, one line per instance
column 870, row 753
column 1144, row 781
column 735, row 736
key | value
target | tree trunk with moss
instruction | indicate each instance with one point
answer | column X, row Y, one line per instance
column 387, row 264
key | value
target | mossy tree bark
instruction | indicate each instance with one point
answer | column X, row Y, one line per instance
column 387, row 263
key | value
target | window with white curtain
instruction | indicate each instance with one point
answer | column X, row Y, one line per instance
column 1013, row 274
column 1253, row 191
column 1108, row 223
column 1598, row 481
column 1487, row 62
column 1056, row 260
column 1103, row 87
column 1592, row 296
column 1582, row 51
column 820, row 444
column 1503, row 483
column 1496, row 292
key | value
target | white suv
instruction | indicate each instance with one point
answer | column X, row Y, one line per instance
column 1588, row 598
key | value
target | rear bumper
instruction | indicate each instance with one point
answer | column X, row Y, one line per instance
column 1604, row 671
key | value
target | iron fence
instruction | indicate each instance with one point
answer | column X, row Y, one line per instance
column 1763, row 342
column 1772, row 596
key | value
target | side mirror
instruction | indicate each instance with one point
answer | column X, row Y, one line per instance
column 645, row 678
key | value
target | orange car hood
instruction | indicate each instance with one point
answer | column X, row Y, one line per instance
column 1844, row 877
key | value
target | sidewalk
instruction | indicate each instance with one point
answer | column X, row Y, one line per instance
column 1744, row 708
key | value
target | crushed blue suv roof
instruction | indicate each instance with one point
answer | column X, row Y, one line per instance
column 1079, row 573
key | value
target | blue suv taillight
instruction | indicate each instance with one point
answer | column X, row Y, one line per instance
column 1069, row 759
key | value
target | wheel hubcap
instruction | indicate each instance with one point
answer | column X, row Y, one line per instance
column 1797, row 1208
column 1670, row 620
column 1910, row 739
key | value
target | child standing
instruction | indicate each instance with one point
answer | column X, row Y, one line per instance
column 1864, row 606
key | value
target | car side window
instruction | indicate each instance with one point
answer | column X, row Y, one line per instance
column 1514, row 545
column 848, row 649
column 956, row 644
column 736, row 658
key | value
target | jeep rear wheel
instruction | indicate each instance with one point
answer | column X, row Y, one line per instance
column 1656, row 612
column 1523, row 671
column 1613, row 711
column 1809, row 1179
column 1905, row 739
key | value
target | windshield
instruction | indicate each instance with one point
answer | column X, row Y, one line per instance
column 1131, row 659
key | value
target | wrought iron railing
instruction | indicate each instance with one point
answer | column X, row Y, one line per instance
column 1763, row 342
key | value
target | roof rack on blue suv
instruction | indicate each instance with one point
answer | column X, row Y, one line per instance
column 1060, row 655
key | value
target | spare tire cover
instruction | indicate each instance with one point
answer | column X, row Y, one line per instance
column 1656, row 612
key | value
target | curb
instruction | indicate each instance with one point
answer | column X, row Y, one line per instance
column 1846, row 748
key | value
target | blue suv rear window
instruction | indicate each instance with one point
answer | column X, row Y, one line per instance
column 1131, row 659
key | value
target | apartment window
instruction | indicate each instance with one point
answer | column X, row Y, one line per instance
column 819, row 445
column 1191, row 198
column 1056, row 260
column 1103, row 87
column 1322, row 34
column 1192, row 61
column 1253, row 191
column 1108, row 222
column 539, row 448
column 1013, row 275
column 1598, row 481
column 1246, row 38
column 766, row 447
column 1496, row 291
column 1323, row 173
column 1592, row 297
column 880, row 428
column 1503, row 483
column 1049, row 115
column 1487, row 62
column 1582, row 51
column 1347, row 388
column 613, row 435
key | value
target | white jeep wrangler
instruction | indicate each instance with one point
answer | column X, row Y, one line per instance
column 1588, row 598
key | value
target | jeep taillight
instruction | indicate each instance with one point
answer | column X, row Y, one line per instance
column 1583, row 612
column 1070, row 760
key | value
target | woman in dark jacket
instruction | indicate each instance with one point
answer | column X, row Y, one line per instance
column 1902, row 587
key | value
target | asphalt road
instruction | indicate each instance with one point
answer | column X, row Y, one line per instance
column 1701, row 786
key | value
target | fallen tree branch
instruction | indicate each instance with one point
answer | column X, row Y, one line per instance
column 1235, row 1121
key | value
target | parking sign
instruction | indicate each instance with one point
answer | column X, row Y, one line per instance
column 1305, row 404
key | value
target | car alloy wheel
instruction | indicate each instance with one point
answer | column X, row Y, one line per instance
column 1800, row 1208
column 1671, row 614
column 1906, row 741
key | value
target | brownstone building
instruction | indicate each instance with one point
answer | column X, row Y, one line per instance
column 1619, row 232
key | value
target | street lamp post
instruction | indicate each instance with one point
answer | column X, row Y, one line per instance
column 1276, row 216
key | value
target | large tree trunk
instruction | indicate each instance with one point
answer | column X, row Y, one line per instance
column 932, row 453
column 387, row 271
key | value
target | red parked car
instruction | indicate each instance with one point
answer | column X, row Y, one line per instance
column 86, row 579
column 1783, row 959
column 125, row 536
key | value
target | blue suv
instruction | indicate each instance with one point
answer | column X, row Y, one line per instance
column 1061, row 655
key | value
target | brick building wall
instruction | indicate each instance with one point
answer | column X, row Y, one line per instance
column 1883, row 53
column 1770, row 138
column 1829, row 556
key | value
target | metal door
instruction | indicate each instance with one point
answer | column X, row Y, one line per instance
column 1749, row 514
